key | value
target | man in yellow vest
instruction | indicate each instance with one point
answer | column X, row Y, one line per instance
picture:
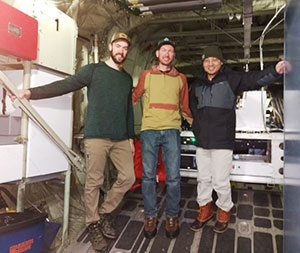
column 165, row 93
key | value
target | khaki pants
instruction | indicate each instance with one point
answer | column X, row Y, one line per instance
column 97, row 151
column 214, row 166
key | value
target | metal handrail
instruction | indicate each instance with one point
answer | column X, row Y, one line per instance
column 76, row 160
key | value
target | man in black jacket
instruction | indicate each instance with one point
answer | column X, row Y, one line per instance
column 212, row 103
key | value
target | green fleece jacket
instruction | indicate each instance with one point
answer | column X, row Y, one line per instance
column 109, row 112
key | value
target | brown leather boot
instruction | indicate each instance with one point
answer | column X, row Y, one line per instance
column 206, row 213
column 222, row 221
column 107, row 225
column 172, row 227
column 150, row 227
column 96, row 237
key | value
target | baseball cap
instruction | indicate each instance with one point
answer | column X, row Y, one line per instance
column 165, row 41
column 120, row 35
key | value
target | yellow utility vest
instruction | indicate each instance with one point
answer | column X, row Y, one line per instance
column 165, row 99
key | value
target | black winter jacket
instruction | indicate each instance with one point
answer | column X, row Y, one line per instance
column 212, row 104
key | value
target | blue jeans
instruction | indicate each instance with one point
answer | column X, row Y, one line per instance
column 169, row 140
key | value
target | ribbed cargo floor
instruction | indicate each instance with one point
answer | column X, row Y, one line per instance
column 256, row 225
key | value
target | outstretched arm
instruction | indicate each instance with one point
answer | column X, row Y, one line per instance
column 26, row 93
column 80, row 79
column 254, row 80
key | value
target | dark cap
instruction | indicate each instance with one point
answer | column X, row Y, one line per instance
column 213, row 51
column 120, row 35
column 165, row 41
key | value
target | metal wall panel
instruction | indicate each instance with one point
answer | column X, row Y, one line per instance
column 292, row 130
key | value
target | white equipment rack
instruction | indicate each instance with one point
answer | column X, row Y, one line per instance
column 248, row 168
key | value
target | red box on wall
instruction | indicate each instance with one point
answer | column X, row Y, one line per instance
column 18, row 33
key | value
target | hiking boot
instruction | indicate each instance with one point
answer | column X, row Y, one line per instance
column 96, row 238
column 150, row 227
column 205, row 214
column 172, row 227
column 222, row 221
column 107, row 225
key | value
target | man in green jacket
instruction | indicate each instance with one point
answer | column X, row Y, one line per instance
column 109, row 131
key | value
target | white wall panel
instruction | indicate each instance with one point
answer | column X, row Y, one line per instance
column 44, row 157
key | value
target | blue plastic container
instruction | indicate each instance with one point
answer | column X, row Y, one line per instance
column 22, row 232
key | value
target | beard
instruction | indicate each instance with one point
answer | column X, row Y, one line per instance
column 113, row 56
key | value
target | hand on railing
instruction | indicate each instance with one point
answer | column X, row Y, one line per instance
column 22, row 94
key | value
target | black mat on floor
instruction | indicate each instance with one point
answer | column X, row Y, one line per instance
column 263, row 243
column 139, row 246
column 161, row 242
column 245, row 212
column 262, row 223
column 278, row 224
column 260, row 199
column 277, row 214
column 207, row 239
column 225, row 242
column 185, row 239
column 244, row 245
column 129, row 236
column 276, row 200
column 262, row 212
column 121, row 221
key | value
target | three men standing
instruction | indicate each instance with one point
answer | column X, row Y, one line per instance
column 165, row 93
column 109, row 132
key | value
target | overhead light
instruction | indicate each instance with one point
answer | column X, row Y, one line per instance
column 230, row 16
column 238, row 16
column 146, row 13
